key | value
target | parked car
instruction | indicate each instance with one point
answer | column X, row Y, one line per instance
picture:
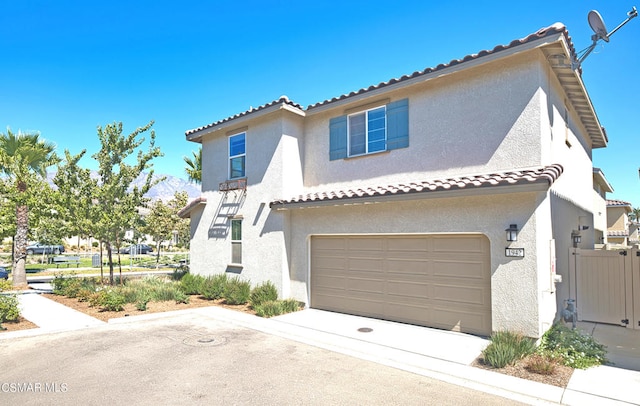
column 4, row 274
column 38, row 248
column 139, row 249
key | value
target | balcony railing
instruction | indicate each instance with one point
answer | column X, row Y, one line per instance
column 236, row 184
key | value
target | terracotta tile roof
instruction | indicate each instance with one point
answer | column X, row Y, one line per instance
column 617, row 233
column 617, row 203
column 282, row 100
column 545, row 175
column 557, row 28
column 186, row 210
column 541, row 33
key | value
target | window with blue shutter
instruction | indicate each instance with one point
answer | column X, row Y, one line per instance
column 379, row 129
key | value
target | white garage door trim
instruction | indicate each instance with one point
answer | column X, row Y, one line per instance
column 434, row 280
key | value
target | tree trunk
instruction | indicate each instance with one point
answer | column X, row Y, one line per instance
column 20, row 248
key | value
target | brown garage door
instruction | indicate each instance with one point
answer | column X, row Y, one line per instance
column 441, row 281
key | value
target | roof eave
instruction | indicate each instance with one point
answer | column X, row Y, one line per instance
column 196, row 135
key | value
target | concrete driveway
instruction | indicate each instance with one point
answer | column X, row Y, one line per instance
column 189, row 359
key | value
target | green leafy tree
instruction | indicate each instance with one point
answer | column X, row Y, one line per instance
column 194, row 166
column 162, row 221
column 24, row 158
column 117, row 200
column 635, row 214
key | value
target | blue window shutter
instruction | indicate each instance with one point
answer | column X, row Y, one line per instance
column 338, row 138
column 398, row 124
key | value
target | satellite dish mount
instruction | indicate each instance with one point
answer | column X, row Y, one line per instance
column 600, row 32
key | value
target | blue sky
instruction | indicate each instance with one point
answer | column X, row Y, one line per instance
column 69, row 66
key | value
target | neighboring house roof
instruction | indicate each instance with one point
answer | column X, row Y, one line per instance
column 544, row 175
column 555, row 36
column 599, row 177
column 186, row 210
column 617, row 233
column 618, row 203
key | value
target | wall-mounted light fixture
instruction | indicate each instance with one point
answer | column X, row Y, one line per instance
column 512, row 233
column 576, row 238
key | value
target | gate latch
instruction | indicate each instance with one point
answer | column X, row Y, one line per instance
column 624, row 253
column 624, row 321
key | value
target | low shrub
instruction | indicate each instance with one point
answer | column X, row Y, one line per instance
column 272, row 308
column 8, row 308
column 540, row 364
column 142, row 302
column 181, row 297
column 263, row 293
column 269, row 308
column 191, row 284
column 213, row 287
column 109, row 300
column 237, row 291
column 291, row 305
column 506, row 348
column 5, row 285
column 572, row 347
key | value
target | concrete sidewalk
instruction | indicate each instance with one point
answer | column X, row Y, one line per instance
column 438, row 354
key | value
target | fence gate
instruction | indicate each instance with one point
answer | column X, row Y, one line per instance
column 607, row 286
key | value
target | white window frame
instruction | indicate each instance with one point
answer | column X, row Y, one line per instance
column 366, row 131
column 236, row 244
column 242, row 155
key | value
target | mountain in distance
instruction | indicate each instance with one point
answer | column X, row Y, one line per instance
column 164, row 190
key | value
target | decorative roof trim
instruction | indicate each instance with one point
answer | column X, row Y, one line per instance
column 618, row 203
column 283, row 103
column 185, row 212
column 557, row 28
column 544, row 176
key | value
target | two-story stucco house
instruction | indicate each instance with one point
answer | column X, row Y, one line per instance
column 618, row 222
column 445, row 198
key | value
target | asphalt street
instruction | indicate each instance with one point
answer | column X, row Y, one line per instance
column 190, row 359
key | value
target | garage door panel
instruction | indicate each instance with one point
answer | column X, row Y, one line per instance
column 407, row 266
column 366, row 285
column 458, row 269
column 465, row 321
column 407, row 244
column 460, row 294
column 438, row 281
column 458, row 244
column 402, row 289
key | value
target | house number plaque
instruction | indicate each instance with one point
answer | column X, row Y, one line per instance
column 514, row 252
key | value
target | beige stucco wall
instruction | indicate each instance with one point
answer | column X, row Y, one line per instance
column 455, row 130
column 453, row 127
column 514, row 280
column 273, row 168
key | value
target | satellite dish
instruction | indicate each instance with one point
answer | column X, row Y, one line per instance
column 600, row 32
column 597, row 25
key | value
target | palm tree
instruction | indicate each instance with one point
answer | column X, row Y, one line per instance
column 194, row 166
column 23, row 158
column 635, row 214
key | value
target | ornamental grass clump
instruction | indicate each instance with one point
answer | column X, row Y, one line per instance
column 191, row 284
column 506, row 348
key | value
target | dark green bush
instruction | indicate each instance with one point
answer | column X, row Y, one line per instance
column 237, row 291
column 213, row 287
column 506, row 348
column 572, row 347
column 191, row 284
column 263, row 293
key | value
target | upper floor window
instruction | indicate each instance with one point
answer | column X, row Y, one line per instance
column 367, row 131
column 237, row 155
column 378, row 129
